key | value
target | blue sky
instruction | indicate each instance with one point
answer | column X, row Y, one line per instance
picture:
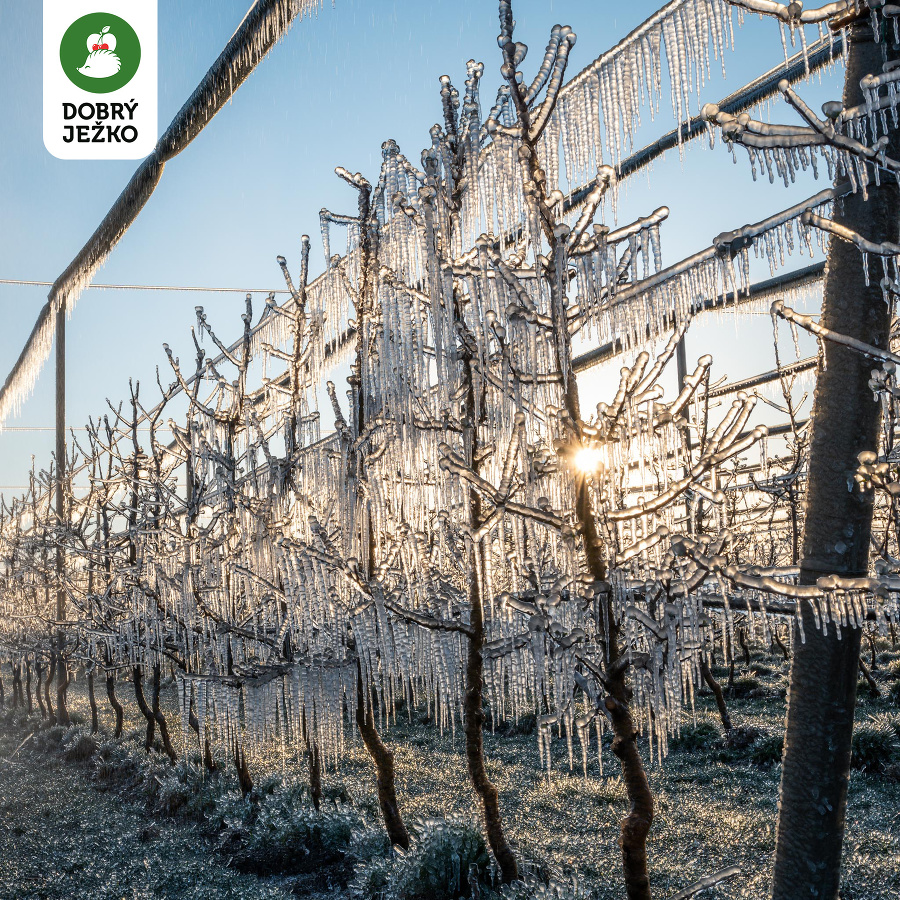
column 343, row 81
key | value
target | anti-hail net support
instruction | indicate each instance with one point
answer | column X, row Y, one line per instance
column 266, row 22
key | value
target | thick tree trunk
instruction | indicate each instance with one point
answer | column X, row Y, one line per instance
column 92, row 699
column 51, row 672
column 114, row 702
column 822, row 697
column 138, row 680
column 384, row 766
column 716, row 688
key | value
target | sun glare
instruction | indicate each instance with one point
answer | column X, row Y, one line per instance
column 588, row 460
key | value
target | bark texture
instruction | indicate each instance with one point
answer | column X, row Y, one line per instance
column 114, row 702
column 62, row 687
column 92, row 699
column 137, row 678
column 28, row 687
column 716, row 688
column 194, row 723
column 51, row 715
column 245, row 779
column 39, row 678
column 384, row 768
column 161, row 719
column 474, row 729
column 822, row 698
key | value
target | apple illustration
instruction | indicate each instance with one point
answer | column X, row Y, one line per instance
column 102, row 41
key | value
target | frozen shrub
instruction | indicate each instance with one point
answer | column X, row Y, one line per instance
column 741, row 738
column 695, row 737
column 281, row 834
column 78, row 745
column 336, row 793
column 372, row 880
column 767, row 750
column 446, row 858
column 49, row 739
column 116, row 765
column 526, row 724
column 535, row 889
column 875, row 745
column 746, row 686
column 893, row 692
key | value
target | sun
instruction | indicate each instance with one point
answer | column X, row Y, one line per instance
column 588, row 460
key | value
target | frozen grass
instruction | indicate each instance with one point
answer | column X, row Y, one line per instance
column 715, row 804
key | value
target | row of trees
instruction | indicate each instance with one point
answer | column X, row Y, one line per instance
column 470, row 534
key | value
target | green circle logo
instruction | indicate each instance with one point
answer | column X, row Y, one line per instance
column 100, row 53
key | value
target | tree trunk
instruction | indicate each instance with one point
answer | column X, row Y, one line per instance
column 114, row 702
column 837, row 526
column 92, row 699
column 870, row 681
column 245, row 779
column 742, row 640
column 474, row 723
column 2, row 694
column 315, row 766
column 62, row 686
column 51, row 673
column 28, row 686
column 15, row 685
column 315, row 776
column 38, row 683
column 780, row 643
column 143, row 706
column 716, row 688
column 194, row 722
column 384, row 766
column 161, row 719
column 636, row 825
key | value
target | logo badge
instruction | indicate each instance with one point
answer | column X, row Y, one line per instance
column 100, row 53
column 100, row 73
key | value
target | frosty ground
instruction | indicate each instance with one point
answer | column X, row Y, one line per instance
column 96, row 820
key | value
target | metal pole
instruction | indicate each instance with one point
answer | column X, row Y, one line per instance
column 681, row 363
column 62, row 674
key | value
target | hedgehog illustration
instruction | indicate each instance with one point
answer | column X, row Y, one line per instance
column 102, row 61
